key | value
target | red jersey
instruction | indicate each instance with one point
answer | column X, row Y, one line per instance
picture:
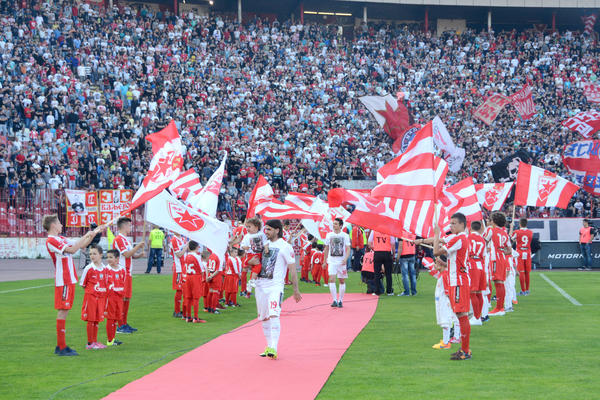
column 240, row 230
column 94, row 280
column 523, row 238
column 194, row 264
column 213, row 264
column 476, row 246
column 64, row 269
column 234, row 266
column 500, row 240
column 457, row 247
column 177, row 243
column 115, row 281
column 317, row 258
column 122, row 244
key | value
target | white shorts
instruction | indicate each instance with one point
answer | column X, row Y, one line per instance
column 268, row 301
column 337, row 269
column 443, row 309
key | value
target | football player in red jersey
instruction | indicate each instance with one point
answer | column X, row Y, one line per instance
column 114, row 302
column 523, row 238
column 94, row 281
column 65, row 277
column 477, row 270
column 456, row 246
column 501, row 250
column 128, row 252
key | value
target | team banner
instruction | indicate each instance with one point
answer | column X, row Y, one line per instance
column 523, row 102
column 583, row 161
column 82, row 208
column 113, row 202
column 453, row 155
column 489, row 109
column 585, row 123
column 592, row 92
column 541, row 188
column 507, row 169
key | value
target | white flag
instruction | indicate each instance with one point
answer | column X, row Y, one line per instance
column 208, row 198
column 166, row 211
column 453, row 155
column 76, row 201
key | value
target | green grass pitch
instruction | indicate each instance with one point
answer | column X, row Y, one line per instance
column 546, row 349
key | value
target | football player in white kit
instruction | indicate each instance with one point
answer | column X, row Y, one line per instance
column 276, row 261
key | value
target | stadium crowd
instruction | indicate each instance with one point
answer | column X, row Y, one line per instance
column 80, row 89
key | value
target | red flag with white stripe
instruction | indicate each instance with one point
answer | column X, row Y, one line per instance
column 541, row 188
column 165, row 165
column 262, row 192
column 188, row 183
column 492, row 196
column 302, row 200
column 591, row 92
column 430, row 265
column 462, row 198
column 275, row 209
column 388, row 215
column 416, row 174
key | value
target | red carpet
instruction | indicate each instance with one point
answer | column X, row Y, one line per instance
column 314, row 337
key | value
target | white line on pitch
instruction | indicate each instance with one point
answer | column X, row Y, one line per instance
column 25, row 288
column 560, row 290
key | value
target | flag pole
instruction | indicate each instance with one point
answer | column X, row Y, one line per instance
column 512, row 221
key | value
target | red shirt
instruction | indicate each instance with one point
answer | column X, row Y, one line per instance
column 93, row 279
column 213, row 264
column 523, row 238
column 115, row 281
column 177, row 243
column 457, row 247
column 122, row 244
column 500, row 240
column 64, row 268
column 193, row 264
column 317, row 258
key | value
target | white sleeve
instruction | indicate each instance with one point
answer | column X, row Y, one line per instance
column 327, row 239
column 347, row 239
column 84, row 273
column 245, row 241
column 288, row 255
column 370, row 237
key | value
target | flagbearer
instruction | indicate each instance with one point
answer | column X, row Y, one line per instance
column 456, row 247
column 157, row 238
column 127, row 253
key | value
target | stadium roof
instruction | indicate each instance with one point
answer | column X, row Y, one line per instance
column 492, row 3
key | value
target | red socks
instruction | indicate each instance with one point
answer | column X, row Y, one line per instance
column 90, row 332
column 111, row 329
column 527, row 272
column 477, row 301
column 125, row 312
column 465, row 332
column 244, row 281
column 196, row 305
column 178, row 296
column 500, row 294
column 522, row 281
column 60, row 333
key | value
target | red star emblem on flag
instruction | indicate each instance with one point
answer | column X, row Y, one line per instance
column 185, row 219
column 545, row 187
column 491, row 197
column 396, row 121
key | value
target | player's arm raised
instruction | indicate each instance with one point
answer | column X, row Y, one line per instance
column 81, row 243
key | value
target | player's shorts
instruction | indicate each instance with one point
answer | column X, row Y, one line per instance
column 92, row 308
column 499, row 270
column 231, row 283
column 194, row 286
column 477, row 276
column 127, row 291
column 460, row 297
column 114, row 307
column 187, row 287
column 64, row 297
column 268, row 301
column 337, row 269
column 177, row 278
column 524, row 262
column 216, row 283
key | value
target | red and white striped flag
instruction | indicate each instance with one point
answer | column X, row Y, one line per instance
column 388, row 215
column 430, row 265
column 262, row 192
column 275, row 209
column 541, row 188
column 188, row 183
column 416, row 174
column 301, row 200
column 462, row 198
column 165, row 165
column 492, row 196
column 589, row 22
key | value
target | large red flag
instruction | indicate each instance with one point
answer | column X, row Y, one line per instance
column 188, row 183
column 165, row 166
column 493, row 195
column 462, row 197
column 275, row 209
column 523, row 102
column 541, row 188
column 262, row 192
column 416, row 174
